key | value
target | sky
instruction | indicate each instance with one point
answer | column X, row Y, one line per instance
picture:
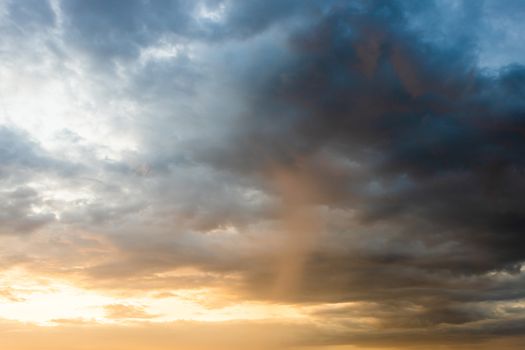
column 262, row 174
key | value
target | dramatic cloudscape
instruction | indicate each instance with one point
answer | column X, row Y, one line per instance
column 262, row 174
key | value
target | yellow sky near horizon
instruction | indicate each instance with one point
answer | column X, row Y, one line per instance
column 55, row 314
column 41, row 300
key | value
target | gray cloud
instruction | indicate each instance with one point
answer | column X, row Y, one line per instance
column 405, row 150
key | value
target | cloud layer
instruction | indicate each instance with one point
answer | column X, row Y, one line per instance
column 361, row 161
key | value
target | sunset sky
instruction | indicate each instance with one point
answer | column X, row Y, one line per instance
column 262, row 174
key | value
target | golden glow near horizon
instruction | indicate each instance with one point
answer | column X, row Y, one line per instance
column 47, row 301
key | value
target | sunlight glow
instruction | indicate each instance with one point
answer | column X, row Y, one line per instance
column 46, row 301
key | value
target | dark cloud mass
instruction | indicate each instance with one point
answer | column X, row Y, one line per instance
column 437, row 181
column 362, row 158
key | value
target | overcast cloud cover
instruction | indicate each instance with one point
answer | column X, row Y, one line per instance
column 362, row 162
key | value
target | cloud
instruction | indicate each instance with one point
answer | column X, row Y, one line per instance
column 96, row 31
column 364, row 157
column 18, row 215
column 422, row 147
column 126, row 311
column 34, row 14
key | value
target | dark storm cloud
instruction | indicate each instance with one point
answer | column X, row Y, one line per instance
column 441, row 143
column 437, row 146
